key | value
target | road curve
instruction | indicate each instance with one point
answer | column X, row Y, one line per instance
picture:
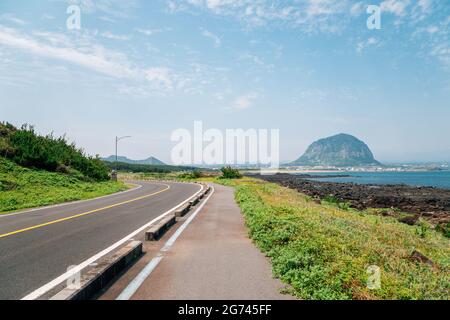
column 38, row 246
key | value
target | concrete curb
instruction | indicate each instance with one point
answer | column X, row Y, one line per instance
column 106, row 270
column 158, row 230
column 183, row 210
column 194, row 202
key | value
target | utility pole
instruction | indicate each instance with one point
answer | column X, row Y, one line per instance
column 116, row 163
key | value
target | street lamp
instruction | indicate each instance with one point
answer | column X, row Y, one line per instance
column 117, row 141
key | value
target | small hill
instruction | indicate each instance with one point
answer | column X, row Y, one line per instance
column 342, row 150
column 122, row 159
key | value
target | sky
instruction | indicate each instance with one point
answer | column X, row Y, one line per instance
column 311, row 68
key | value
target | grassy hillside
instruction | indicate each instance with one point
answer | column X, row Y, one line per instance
column 323, row 251
column 22, row 188
column 29, row 149
column 38, row 170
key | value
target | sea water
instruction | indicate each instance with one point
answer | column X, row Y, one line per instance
column 438, row 179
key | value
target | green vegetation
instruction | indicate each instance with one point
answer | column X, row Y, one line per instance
column 332, row 200
column 149, row 176
column 40, row 170
column 28, row 149
column 323, row 251
column 156, row 172
column 230, row 173
column 22, row 188
column 192, row 175
column 145, row 168
column 445, row 229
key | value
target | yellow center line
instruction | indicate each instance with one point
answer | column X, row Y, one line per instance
column 81, row 214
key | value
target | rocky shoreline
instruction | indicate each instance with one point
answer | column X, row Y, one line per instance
column 429, row 203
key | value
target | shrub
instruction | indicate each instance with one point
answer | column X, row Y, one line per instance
column 230, row 173
column 196, row 174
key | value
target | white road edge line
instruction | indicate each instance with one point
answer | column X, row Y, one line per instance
column 134, row 285
column 50, row 285
column 140, row 278
column 69, row 203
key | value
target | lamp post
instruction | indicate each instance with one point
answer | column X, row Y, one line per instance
column 117, row 141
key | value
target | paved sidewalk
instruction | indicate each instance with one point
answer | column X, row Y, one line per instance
column 213, row 259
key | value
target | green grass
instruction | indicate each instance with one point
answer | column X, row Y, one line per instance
column 22, row 188
column 323, row 251
column 184, row 176
column 149, row 176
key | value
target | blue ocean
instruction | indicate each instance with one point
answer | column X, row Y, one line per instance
column 438, row 179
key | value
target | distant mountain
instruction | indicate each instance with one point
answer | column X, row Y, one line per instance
column 151, row 160
column 342, row 150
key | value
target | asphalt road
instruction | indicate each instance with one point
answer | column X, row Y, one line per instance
column 38, row 246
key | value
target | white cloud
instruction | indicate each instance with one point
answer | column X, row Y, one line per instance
column 307, row 15
column 84, row 50
column 212, row 36
column 442, row 52
column 95, row 58
column 358, row 9
column 11, row 18
column 372, row 41
column 432, row 29
column 257, row 61
column 112, row 36
column 367, row 43
column 173, row 7
column 325, row 7
column 55, row 39
column 116, row 8
column 93, row 61
column 161, row 76
column 396, row 7
column 150, row 32
column 422, row 9
column 107, row 19
column 47, row 16
column 245, row 101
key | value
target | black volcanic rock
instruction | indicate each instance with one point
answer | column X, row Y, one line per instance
column 429, row 203
column 342, row 150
